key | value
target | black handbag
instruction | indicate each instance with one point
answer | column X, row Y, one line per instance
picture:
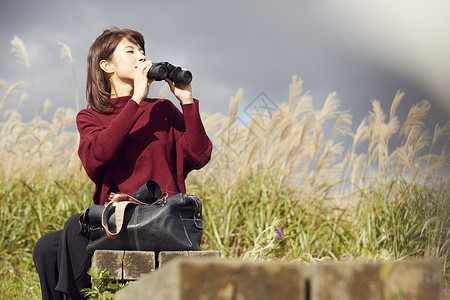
column 147, row 220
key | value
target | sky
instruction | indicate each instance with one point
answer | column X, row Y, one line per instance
column 362, row 50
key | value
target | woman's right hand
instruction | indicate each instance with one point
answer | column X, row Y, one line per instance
column 141, row 82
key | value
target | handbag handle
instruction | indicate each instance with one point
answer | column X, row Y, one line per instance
column 121, row 201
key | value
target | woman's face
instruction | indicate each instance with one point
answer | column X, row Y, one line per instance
column 126, row 58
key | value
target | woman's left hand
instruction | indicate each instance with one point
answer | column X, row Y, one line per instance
column 183, row 91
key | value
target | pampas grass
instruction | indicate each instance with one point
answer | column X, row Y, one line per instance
column 371, row 201
column 67, row 53
column 16, row 86
column 19, row 49
column 282, row 184
column 37, row 148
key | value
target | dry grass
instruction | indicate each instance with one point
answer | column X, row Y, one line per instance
column 39, row 147
column 383, row 195
column 292, row 146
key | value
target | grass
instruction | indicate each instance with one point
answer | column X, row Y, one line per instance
column 285, row 185
column 28, row 210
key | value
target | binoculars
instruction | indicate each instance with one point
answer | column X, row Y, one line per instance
column 163, row 70
column 149, row 192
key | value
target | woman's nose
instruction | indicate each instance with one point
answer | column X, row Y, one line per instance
column 142, row 58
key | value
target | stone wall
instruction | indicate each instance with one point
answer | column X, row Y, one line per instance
column 224, row 279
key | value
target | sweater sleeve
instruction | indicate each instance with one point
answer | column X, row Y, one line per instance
column 193, row 140
column 100, row 144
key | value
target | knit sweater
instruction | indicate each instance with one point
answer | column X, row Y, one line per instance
column 120, row 151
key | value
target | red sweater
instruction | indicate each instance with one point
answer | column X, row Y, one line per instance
column 154, row 140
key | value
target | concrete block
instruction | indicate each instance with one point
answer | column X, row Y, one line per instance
column 412, row 279
column 132, row 265
column 165, row 256
column 193, row 278
column 408, row 279
column 109, row 260
column 137, row 264
column 209, row 278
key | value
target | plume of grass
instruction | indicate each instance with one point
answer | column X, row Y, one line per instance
column 47, row 105
column 23, row 98
column 234, row 105
column 66, row 52
column 19, row 49
column 9, row 92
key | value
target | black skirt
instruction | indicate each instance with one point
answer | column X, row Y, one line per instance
column 62, row 262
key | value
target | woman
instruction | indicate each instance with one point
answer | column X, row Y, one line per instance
column 125, row 139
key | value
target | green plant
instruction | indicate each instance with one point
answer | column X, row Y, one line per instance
column 104, row 286
column 386, row 197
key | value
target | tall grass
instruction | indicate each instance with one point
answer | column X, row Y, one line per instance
column 374, row 201
column 287, row 184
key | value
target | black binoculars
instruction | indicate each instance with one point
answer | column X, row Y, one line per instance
column 149, row 192
column 163, row 70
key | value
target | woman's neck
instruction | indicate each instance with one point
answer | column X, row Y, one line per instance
column 120, row 89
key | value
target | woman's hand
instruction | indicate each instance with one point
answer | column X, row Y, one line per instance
column 141, row 82
column 182, row 91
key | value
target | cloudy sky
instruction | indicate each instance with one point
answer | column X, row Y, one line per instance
column 363, row 50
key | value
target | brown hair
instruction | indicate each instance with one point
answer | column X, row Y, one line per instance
column 98, row 88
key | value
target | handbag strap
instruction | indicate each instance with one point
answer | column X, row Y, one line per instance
column 121, row 201
column 119, row 197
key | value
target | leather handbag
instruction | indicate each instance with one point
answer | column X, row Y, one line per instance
column 147, row 220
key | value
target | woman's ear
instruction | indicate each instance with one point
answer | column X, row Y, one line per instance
column 106, row 66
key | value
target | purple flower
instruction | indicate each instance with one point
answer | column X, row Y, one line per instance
column 280, row 234
column 445, row 293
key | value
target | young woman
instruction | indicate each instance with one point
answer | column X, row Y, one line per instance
column 125, row 139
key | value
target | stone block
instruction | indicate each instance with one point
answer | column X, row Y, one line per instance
column 109, row 260
column 165, row 256
column 412, row 279
column 126, row 265
column 408, row 279
column 210, row 278
column 137, row 264
column 193, row 278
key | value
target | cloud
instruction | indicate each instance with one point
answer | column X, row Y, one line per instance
column 360, row 52
column 407, row 37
